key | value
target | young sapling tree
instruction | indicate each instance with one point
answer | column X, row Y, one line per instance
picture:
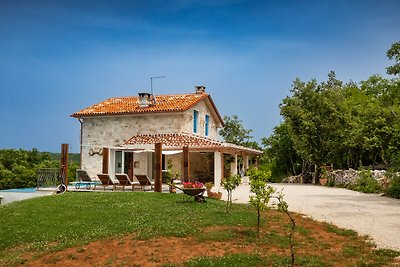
column 283, row 206
column 229, row 184
column 262, row 193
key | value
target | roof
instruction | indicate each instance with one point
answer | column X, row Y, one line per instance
column 179, row 140
column 130, row 105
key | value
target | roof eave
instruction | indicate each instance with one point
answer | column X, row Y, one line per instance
column 216, row 111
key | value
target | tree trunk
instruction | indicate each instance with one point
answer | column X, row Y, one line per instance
column 317, row 173
column 292, row 164
column 258, row 223
column 383, row 157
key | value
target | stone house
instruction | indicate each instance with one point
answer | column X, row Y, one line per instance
column 142, row 134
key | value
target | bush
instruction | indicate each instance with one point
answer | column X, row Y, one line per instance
column 366, row 183
column 18, row 168
column 394, row 187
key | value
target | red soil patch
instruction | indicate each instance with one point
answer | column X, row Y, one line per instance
column 314, row 239
column 132, row 252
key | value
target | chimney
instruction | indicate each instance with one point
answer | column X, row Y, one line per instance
column 144, row 100
column 200, row 89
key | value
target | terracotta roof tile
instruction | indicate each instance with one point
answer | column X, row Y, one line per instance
column 130, row 105
column 179, row 140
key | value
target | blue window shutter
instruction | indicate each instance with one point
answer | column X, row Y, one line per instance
column 206, row 129
column 195, row 115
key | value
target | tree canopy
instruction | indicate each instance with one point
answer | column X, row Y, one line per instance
column 18, row 167
column 345, row 125
column 234, row 132
column 394, row 53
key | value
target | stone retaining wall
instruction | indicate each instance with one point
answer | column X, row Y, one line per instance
column 343, row 177
column 350, row 176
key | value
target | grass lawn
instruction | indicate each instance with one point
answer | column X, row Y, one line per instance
column 149, row 229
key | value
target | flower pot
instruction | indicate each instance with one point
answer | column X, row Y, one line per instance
column 323, row 181
column 214, row 195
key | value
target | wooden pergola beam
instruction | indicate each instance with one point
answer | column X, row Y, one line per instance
column 158, row 167
column 105, row 160
column 186, row 164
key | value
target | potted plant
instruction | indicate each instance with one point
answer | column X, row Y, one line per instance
column 324, row 176
column 170, row 177
column 209, row 185
column 171, row 181
column 210, row 194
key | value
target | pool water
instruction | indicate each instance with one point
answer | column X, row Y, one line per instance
column 21, row 190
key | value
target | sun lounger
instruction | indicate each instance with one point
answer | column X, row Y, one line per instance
column 106, row 181
column 84, row 176
column 84, row 180
column 144, row 181
column 124, row 180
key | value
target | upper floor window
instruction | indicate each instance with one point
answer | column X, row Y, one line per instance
column 195, row 120
column 206, row 125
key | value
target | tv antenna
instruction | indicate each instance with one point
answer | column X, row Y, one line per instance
column 151, row 82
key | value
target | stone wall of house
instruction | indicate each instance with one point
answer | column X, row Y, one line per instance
column 203, row 111
column 140, row 166
column 176, row 161
column 110, row 131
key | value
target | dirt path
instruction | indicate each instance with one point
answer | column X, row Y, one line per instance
column 368, row 214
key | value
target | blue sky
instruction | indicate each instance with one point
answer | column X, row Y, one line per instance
column 57, row 57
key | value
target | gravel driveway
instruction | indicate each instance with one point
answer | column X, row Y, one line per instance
column 368, row 214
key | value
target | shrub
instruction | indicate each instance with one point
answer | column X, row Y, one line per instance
column 394, row 187
column 366, row 183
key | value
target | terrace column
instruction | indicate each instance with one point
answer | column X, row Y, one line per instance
column 105, row 160
column 218, row 169
column 245, row 163
column 186, row 164
column 234, row 165
column 158, row 167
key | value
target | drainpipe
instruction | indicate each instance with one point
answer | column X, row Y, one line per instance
column 80, row 148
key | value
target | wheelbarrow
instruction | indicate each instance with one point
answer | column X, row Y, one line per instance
column 196, row 193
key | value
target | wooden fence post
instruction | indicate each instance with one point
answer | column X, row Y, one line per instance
column 64, row 162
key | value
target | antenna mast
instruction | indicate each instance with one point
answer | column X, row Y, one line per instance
column 151, row 82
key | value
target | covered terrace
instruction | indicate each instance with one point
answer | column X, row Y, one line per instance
column 194, row 157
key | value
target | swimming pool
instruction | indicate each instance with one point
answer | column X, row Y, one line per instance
column 20, row 190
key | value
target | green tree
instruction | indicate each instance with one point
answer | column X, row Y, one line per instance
column 18, row 168
column 234, row 132
column 284, row 207
column 313, row 115
column 280, row 153
column 344, row 125
column 394, row 54
column 262, row 193
column 230, row 183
